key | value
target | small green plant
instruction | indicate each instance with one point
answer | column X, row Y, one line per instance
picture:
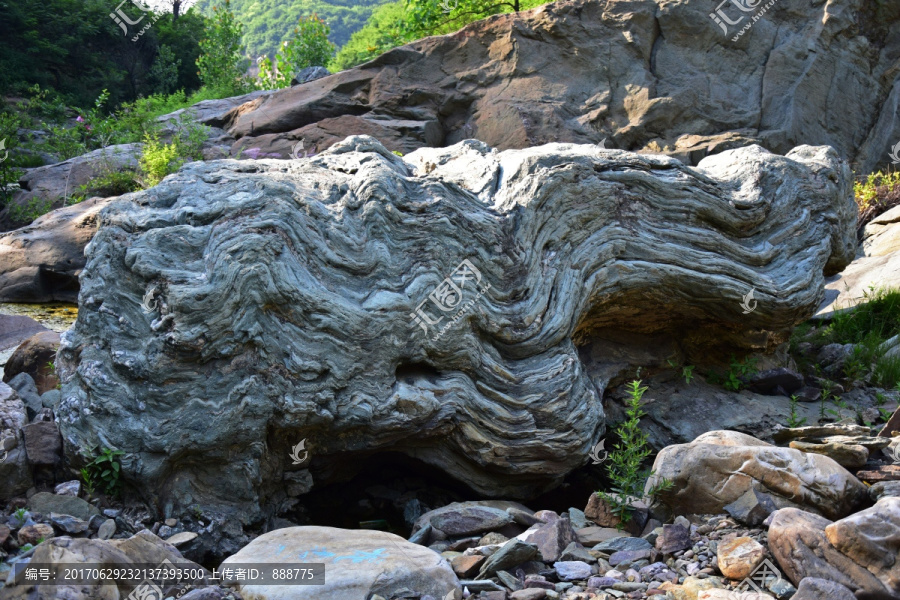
column 732, row 379
column 625, row 469
column 841, row 405
column 104, row 469
column 19, row 514
column 880, row 399
column 827, row 387
column 688, row 374
column 793, row 419
column 885, row 414
column 88, row 480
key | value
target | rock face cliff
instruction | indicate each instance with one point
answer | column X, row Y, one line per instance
column 640, row 74
column 432, row 305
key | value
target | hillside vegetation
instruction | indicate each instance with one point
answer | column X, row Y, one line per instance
column 267, row 23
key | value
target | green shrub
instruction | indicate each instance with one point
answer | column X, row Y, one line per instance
column 158, row 160
column 878, row 193
column 104, row 469
column 24, row 215
column 625, row 469
column 793, row 418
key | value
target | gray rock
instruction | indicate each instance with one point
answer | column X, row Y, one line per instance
column 751, row 508
column 512, row 553
column 623, row 543
column 68, row 523
column 464, row 518
column 310, row 74
column 24, row 386
column 576, row 551
column 384, row 394
column 358, row 564
column 421, row 536
column 814, row 588
column 68, row 488
column 469, row 520
column 578, row 519
column 15, row 472
column 572, row 570
column 50, row 399
column 107, row 529
column 884, row 489
column 46, row 503
column 627, row 556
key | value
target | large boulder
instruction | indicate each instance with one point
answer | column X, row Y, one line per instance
column 35, row 356
column 41, row 262
column 645, row 75
column 428, row 305
column 719, row 467
column 141, row 551
column 358, row 564
column 877, row 265
column 802, row 543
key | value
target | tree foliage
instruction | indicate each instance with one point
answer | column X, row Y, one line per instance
column 74, row 48
column 267, row 23
column 222, row 63
column 308, row 46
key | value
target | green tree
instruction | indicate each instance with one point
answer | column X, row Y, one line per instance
column 308, row 47
column 382, row 32
column 164, row 72
column 222, row 63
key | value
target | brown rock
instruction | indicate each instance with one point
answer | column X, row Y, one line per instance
column 882, row 473
column 466, row 567
column 739, row 557
column 41, row 262
column 599, row 511
column 507, row 106
column 32, row 534
column 4, row 534
column 43, row 444
column 850, row 456
column 32, row 357
column 893, row 424
column 798, row 542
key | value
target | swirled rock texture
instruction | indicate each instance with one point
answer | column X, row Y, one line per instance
column 431, row 305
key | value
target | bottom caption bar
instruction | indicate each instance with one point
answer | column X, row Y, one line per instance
column 170, row 574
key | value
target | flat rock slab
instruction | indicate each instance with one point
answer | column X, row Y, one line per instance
column 46, row 503
column 15, row 329
column 428, row 305
column 358, row 563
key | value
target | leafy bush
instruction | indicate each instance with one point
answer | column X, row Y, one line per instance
column 381, row 33
column 104, row 469
column 625, row 469
column 877, row 194
column 161, row 159
column 36, row 207
column 308, row 46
